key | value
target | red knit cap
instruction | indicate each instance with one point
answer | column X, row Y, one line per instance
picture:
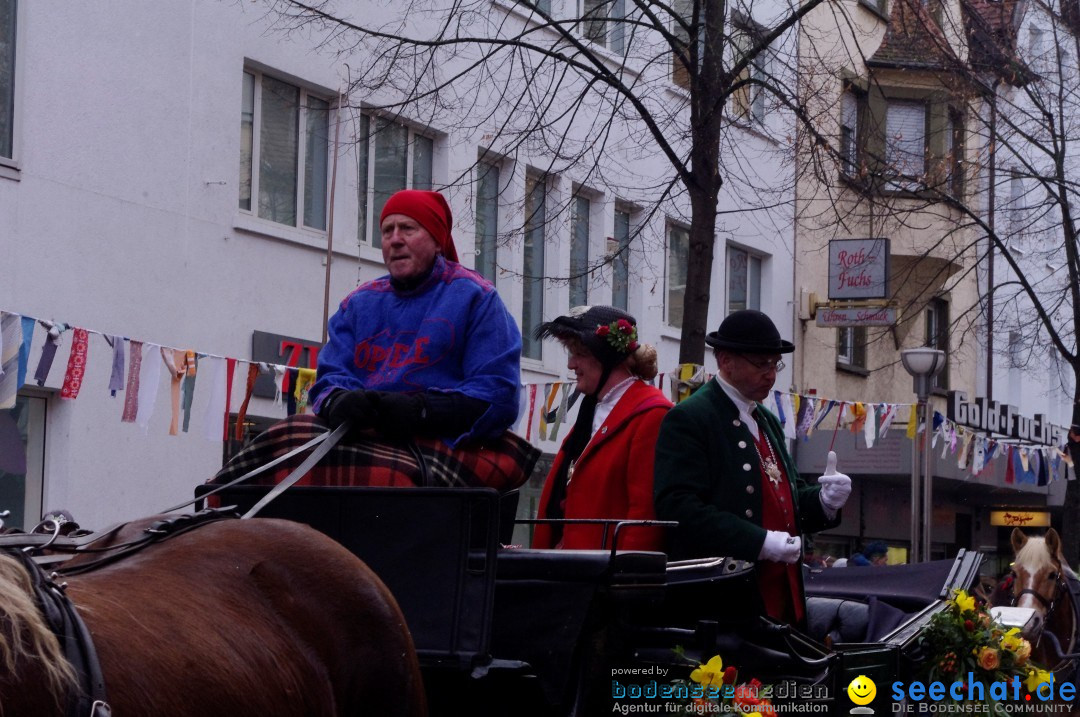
column 430, row 210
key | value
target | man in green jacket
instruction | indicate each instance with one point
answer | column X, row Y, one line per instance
column 724, row 473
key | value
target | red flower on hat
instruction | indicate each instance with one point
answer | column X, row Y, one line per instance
column 621, row 335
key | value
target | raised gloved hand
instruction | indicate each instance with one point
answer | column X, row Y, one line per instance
column 399, row 414
column 781, row 547
column 355, row 406
column 835, row 487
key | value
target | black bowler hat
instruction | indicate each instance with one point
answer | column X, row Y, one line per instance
column 749, row 332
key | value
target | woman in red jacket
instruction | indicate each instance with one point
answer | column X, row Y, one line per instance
column 605, row 466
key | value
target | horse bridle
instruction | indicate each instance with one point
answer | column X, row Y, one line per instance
column 1051, row 604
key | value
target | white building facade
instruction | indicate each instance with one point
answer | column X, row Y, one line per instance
column 172, row 173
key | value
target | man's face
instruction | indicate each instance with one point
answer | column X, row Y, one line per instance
column 408, row 249
column 752, row 374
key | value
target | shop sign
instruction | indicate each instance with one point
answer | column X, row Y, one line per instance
column 1001, row 418
column 1020, row 518
column 281, row 350
column 838, row 318
column 858, row 269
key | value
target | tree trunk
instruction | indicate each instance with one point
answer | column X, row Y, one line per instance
column 698, row 276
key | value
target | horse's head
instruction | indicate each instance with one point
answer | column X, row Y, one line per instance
column 1038, row 576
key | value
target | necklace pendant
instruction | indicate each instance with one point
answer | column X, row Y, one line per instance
column 773, row 471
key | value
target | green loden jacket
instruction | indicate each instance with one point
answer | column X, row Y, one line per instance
column 708, row 478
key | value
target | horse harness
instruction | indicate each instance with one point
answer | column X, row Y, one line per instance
column 60, row 613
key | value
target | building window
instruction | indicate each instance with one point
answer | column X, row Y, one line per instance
column 22, row 433
column 532, row 306
column 543, row 6
column 954, row 153
column 284, row 148
column 682, row 21
column 487, row 219
column 906, row 143
column 850, row 160
column 937, row 337
column 579, row 251
column 1017, row 208
column 678, row 260
column 743, row 280
column 851, row 346
column 602, row 22
column 749, row 101
column 620, row 264
column 391, row 157
column 7, row 77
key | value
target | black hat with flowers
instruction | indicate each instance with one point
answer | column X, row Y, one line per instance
column 610, row 334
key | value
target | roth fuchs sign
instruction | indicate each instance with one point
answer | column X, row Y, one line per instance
column 1001, row 418
column 858, row 269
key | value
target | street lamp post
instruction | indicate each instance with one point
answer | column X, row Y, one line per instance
column 923, row 364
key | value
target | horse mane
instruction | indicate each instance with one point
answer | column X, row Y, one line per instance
column 27, row 639
column 1034, row 555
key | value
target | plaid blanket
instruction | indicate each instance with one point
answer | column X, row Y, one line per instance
column 503, row 463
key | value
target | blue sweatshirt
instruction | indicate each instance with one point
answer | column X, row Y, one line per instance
column 451, row 333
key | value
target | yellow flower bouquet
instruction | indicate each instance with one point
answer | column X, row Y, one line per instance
column 963, row 644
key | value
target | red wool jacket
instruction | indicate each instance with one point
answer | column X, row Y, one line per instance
column 613, row 477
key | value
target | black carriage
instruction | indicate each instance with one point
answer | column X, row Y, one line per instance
column 515, row 631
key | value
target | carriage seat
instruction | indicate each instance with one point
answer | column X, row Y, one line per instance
column 844, row 620
column 837, row 619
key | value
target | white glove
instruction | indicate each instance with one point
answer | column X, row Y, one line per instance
column 781, row 547
column 835, row 487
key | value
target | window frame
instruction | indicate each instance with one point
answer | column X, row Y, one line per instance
column 487, row 242
column 680, row 72
column 580, row 247
column 749, row 105
column 13, row 93
column 753, row 288
column 534, row 256
column 669, row 288
column 368, row 128
column 898, row 180
column 851, row 349
column 611, row 21
column 937, row 337
column 620, row 257
column 852, row 139
column 254, row 179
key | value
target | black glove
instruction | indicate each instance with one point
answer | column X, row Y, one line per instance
column 399, row 414
column 355, row 406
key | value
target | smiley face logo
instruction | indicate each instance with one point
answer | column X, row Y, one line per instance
column 862, row 690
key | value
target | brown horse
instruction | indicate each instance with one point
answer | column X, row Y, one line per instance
column 237, row 618
column 1039, row 575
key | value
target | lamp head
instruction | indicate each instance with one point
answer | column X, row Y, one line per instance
column 923, row 364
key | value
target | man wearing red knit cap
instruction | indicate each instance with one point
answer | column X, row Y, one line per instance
column 429, row 349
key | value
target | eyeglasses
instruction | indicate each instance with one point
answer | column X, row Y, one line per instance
column 764, row 366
